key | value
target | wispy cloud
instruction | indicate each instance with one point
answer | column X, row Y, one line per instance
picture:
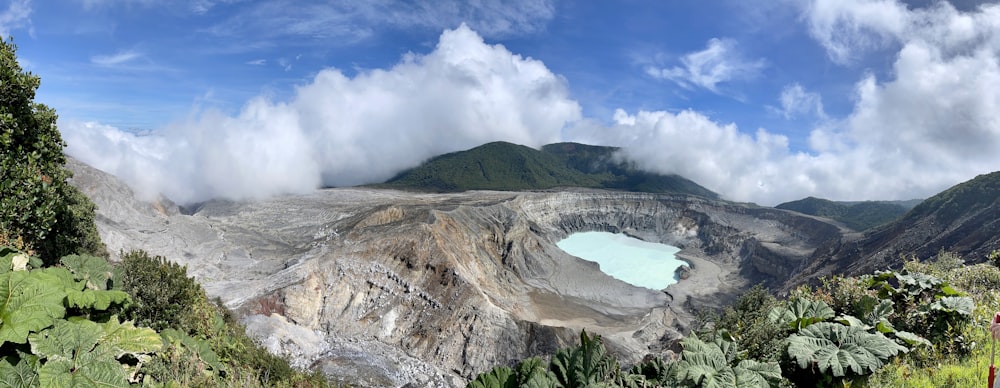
column 116, row 59
column 257, row 62
column 797, row 102
column 91, row 4
column 16, row 16
column 718, row 63
column 348, row 22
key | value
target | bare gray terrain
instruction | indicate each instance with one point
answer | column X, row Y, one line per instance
column 383, row 288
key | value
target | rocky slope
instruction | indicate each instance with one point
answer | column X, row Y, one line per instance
column 382, row 288
column 964, row 219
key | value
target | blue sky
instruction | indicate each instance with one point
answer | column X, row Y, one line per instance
column 843, row 99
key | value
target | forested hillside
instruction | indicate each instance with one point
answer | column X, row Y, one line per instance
column 506, row 166
column 859, row 216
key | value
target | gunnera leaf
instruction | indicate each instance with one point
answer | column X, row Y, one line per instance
column 705, row 364
column 85, row 353
column 800, row 313
column 96, row 299
column 955, row 304
column 840, row 350
column 29, row 301
column 92, row 270
column 19, row 375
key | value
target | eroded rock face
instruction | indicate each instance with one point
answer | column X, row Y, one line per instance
column 382, row 288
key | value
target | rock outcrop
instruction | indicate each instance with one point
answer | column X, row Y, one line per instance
column 382, row 288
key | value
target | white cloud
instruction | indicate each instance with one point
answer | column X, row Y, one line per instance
column 16, row 16
column 718, row 63
column 341, row 130
column 797, row 102
column 934, row 122
column 257, row 62
column 116, row 59
column 848, row 29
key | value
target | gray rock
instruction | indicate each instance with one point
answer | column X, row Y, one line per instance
column 384, row 288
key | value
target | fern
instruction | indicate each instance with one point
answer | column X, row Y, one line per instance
column 585, row 365
column 499, row 377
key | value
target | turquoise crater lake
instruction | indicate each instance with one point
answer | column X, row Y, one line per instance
column 629, row 259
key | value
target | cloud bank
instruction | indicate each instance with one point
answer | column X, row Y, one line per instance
column 341, row 130
column 935, row 123
column 932, row 122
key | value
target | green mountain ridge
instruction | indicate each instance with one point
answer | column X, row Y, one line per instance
column 963, row 220
column 509, row 167
column 859, row 216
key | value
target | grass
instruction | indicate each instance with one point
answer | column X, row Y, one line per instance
column 982, row 283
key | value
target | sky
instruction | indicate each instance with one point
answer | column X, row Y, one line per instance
column 761, row 102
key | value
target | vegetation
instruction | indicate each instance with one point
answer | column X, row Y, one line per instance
column 38, row 209
column 73, row 325
column 965, row 198
column 505, row 166
column 859, row 216
column 68, row 317
column 874, row 330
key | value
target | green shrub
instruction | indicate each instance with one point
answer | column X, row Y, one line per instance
column 37, row 205
column 746, row 323
column 163, row 295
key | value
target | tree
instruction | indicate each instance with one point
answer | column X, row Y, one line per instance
column 37, row 205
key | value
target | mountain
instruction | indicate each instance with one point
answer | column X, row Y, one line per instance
column 511, row 167
column 859, row 216
column 387, row 288
column 964, row 219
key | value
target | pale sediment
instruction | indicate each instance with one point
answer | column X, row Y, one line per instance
column 452, row 284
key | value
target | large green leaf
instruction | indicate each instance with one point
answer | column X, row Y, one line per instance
column 499, row 377
column 705, row 364
column 962, row 305
column 841, row 350
column 83, row 353
column 124, row 338
column 800, row 313
column 96, row 299
column 92, row 270
column 20, row 375
column 29, row 301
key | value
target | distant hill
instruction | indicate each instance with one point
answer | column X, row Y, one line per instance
column 859, row 216
column 506, row 166
column 964, row 219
